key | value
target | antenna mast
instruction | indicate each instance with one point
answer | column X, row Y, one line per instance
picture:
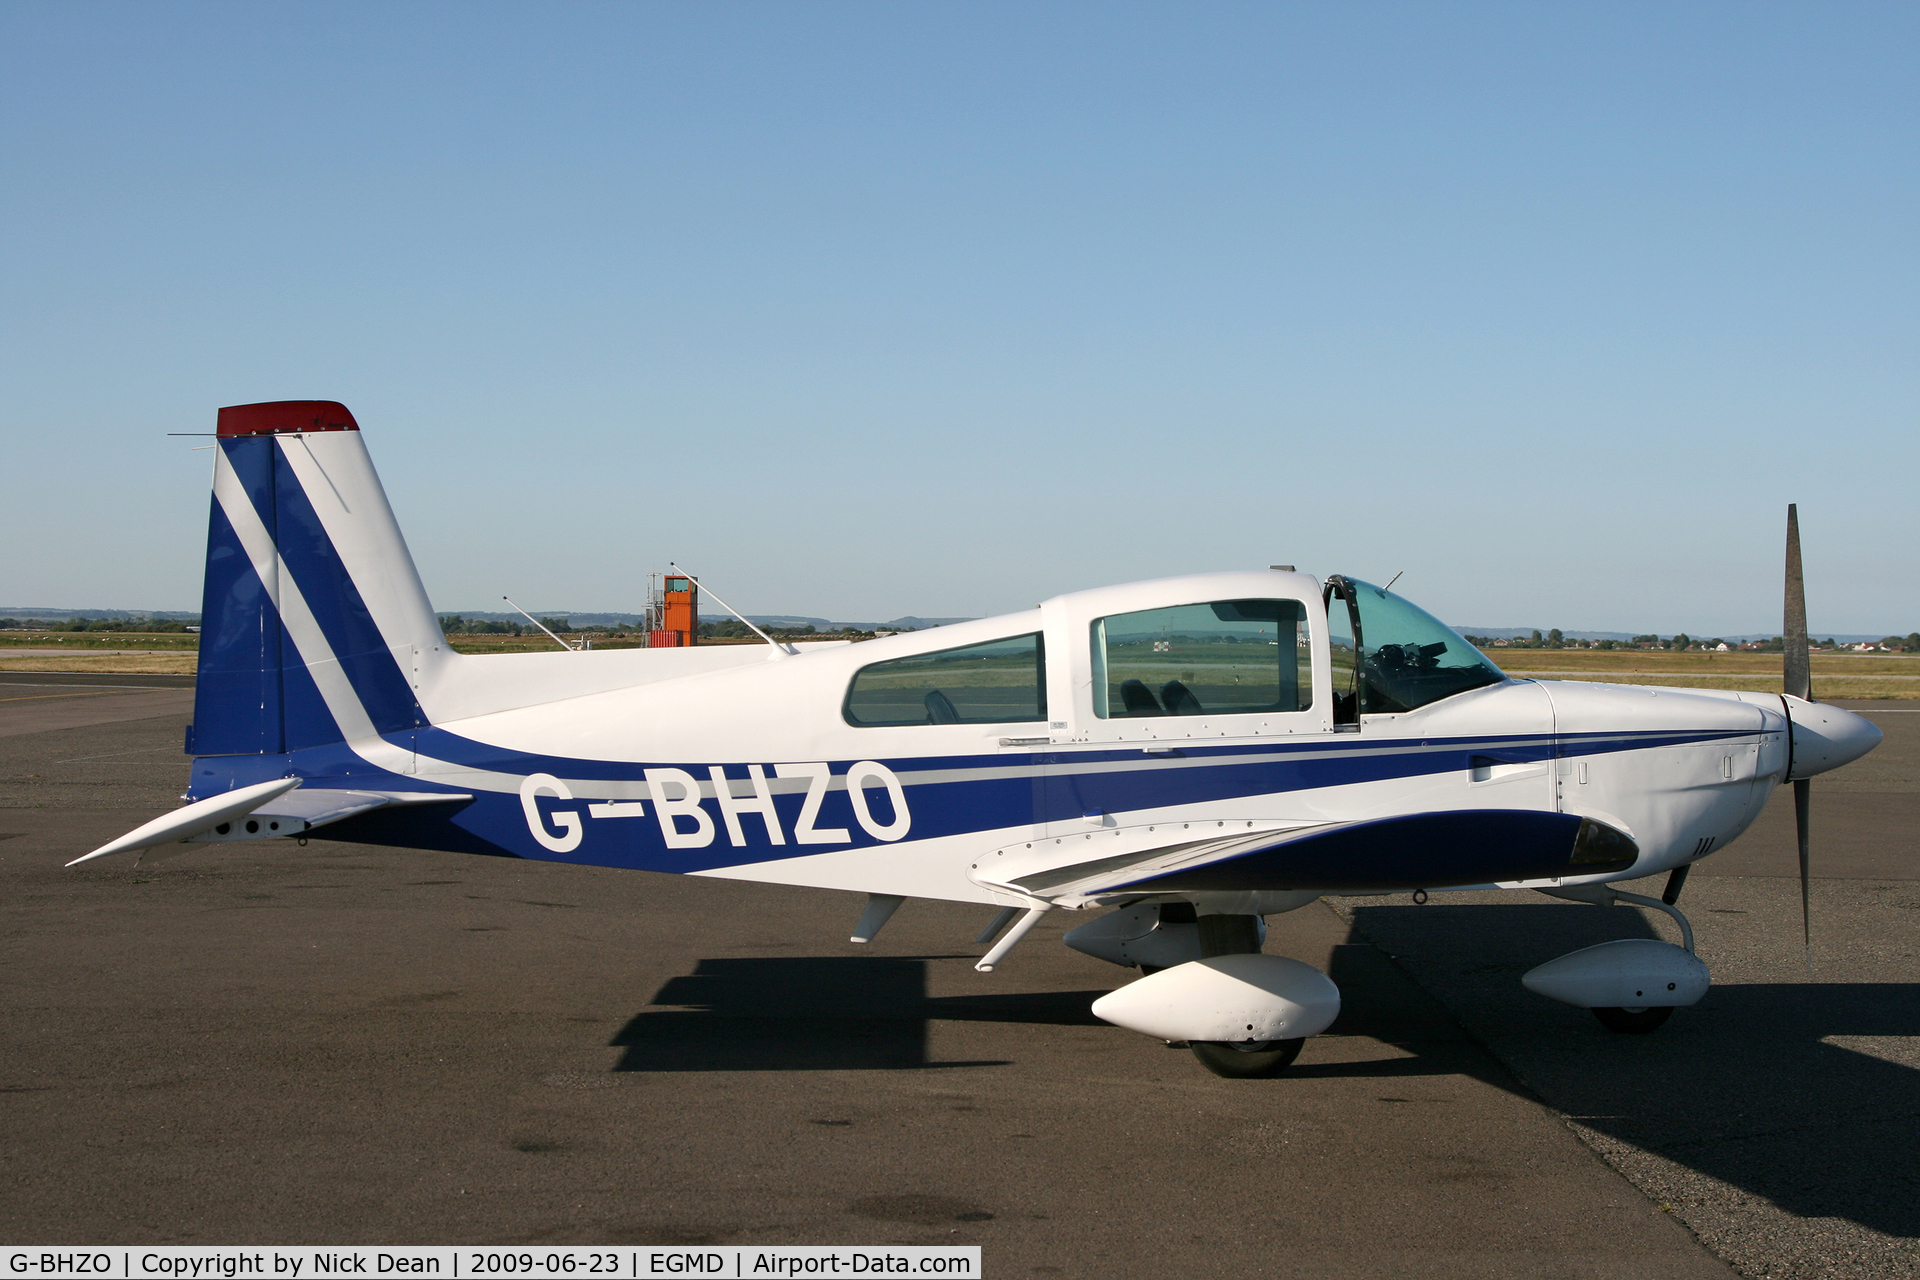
column 536, row 622
column 778, row 648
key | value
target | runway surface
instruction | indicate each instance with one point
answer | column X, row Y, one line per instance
column 341, row 1043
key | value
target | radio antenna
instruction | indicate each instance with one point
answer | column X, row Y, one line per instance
column 536, row 622
column 778, row 648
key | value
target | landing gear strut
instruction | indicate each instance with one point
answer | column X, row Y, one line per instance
column 1239, row 1059
column 1632, row 985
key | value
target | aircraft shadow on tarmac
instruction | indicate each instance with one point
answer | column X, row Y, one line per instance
column 1745, row 1087
column 872, row 1013
column 823, row 1013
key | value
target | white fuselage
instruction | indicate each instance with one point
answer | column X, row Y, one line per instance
column 1681, row 772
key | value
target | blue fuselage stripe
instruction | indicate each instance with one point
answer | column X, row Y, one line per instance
column 948, row 795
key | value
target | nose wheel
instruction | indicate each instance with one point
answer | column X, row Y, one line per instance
column 1658, row 976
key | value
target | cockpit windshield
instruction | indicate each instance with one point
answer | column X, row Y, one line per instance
column 1407, row 658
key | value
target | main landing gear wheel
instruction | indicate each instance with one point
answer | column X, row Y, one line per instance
column 1239, row 1059
column 1633, row 1022
column 1247, row 1060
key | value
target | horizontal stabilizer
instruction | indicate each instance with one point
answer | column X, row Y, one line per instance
column 301, row 811
column 201, row 815
column 260, row 812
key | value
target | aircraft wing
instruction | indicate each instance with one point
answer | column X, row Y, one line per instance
column 1430, row 850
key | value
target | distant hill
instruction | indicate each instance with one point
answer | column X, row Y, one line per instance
column 50, row 614
column 585, row 621
column 908, row 623
column 580, row 621
column 1521, row 633
column 911, row 622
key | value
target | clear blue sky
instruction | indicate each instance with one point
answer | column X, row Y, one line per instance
column 872, row 309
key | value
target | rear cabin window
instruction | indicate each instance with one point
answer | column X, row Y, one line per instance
column 1228, row 657
column 997, row 682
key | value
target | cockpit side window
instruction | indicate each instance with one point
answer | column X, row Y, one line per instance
column 1407, row 658
column 1227, row 657
column 995, row 682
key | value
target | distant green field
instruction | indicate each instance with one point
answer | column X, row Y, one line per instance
column 1835, row 675
column 80, row 641
column 117, row 664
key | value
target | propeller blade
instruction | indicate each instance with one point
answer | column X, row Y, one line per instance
column 1797, row 680
column 1798, row 668
column 1802, row 810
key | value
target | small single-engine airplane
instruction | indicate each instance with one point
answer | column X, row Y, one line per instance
column 1195, row 752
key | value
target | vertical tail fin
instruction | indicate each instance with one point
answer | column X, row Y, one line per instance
column 314, row 625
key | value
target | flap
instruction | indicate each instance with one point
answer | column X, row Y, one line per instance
column 1067, row 869
column 1433, row 850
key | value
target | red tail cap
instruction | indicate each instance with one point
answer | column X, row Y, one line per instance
column 279, row 417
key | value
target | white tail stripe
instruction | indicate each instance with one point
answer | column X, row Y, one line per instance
column 315, row 653
column 336, row 690
column 337, row 476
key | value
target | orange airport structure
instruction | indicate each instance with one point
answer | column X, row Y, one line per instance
column 676, row 614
